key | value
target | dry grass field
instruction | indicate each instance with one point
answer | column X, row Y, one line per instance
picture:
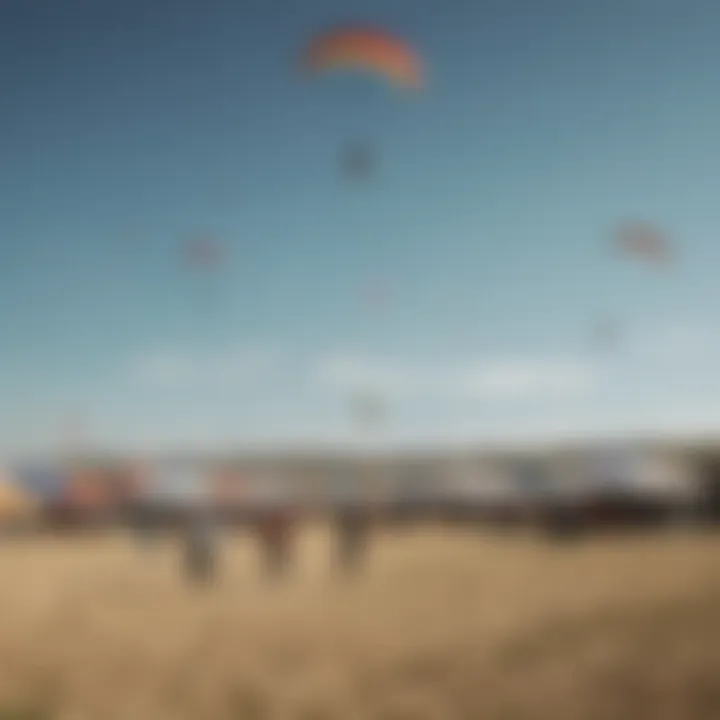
column 442, row 626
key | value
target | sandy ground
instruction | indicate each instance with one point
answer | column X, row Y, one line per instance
column 442, row 625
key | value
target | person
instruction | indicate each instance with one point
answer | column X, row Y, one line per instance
column 563, row 522
column 277, row 536
column 200, row 560
column 143, row 523
column 352, row 529
column 273, row 533
column 139, row 510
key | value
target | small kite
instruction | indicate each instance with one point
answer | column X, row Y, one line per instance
column 357, row 161
column 644, row 243
column 204, row 253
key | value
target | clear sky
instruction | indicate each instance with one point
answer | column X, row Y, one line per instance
column 129, row 128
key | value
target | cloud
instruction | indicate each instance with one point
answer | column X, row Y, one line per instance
column 501, row 378
column 512, row 378
column 177, row 369
column 358, row 373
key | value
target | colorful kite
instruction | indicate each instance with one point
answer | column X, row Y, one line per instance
column 366, row 49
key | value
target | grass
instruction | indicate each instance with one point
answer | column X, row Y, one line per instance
column 442, row 626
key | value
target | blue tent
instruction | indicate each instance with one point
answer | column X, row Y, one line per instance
column 46, row 483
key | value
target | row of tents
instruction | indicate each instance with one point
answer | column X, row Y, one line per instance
column 32, row 494
column 500, row 489
column 90, row 496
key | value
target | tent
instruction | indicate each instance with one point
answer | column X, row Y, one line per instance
column 177, row 485
column 265, row 490
column 228, row 488
column 87, row 491
column 45, row 483
column 126, row 482
column 17, row 505
column 627, row 484
column 640, row 473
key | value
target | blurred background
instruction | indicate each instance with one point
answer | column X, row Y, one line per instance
column 445, row 266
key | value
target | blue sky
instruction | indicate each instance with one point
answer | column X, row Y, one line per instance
column 130, row 128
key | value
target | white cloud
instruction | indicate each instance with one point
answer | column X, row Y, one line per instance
column 511, row 378
column 502, row 378
column 356, row 373
column 178, row 369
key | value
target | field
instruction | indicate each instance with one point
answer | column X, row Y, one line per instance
column 441, row 626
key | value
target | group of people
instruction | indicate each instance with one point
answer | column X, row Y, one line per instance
column 276, row 532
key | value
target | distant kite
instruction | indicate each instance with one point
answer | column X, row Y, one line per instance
column 367, row 49
column 644, row 243
column 204, row 253
column 357, row 161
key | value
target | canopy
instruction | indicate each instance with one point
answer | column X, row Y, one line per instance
column 490, row 484
column 370, row 49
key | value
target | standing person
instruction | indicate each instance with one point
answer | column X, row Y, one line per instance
column 276, row 528
column 352, row 529
column 275, row 542
column 200, row 549
column 143, row 523
column 139, row 507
